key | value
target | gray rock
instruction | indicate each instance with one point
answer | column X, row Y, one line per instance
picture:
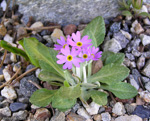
column 48, row 39
column 5, row 111
column 76, row 107
column 83, row 112
column 130, row 56
column 26, row 88
column 145, row 39
column 75, row 117
column 147, row 86
column 8, row 38
column 146, row 54
column 130, row 107
column 59, row 116
column 28, row 68
column 132, row 64
column 21, row 115
column 129, row 118
column 112, row 45
column 101, row 109
column 127, row 62
column 17, row 106
column 146, row 70
column 121, row 39
column 7, row 59
column 119, row 109
column 141, row 62
column 136, row 53
column 67, row 11
column 106, row 116
column 115, row 27
column 145, row 79
column 133, row 82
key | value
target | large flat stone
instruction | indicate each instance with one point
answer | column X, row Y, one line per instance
column 68, row 11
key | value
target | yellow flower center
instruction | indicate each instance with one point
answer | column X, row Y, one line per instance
column 64, row 45
column 93, row 55
column 85, row 56
column 69, row 58
column 79, row 44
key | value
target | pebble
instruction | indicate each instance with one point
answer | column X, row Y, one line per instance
column 143, row 9
column 34, row 106
column 13, row 57
column 132, row 64
column 142, row 112
column 57, row 33
column 37, row 72
column 5, row 111
column 1, row 78
column 9, row 92
column 21, row 115
column 136, row 27
column 145, row 39
column 8, row 38
column 83, row 112
column 136, row 53
column 7, row 59
column 42, row 114
column 4, row 5
column 76, row 107
column 128, row 118
column 74, row 117
column 48, row 39
column 16, row 106
column 126, row 34
column 7, row 74
column 97, row 117
column 140, row 62
column 16, row 67
column 146, row 70
column 127, row 62
column 130, row 107
column 115, row 27
column 37, row 24
column 28, row 68
column 146, row 54
column 146, row 21
column 69, row 29
column 121, row 39
column 26, row 88
column 133, row 82
column 92, row 108
column 130, row 56
column 21, row 31
column 145, row 79
column 147, row 86
column 106, row 116
column 118, row 109
column 145, row 95
column 112, row 45
column 59, row 116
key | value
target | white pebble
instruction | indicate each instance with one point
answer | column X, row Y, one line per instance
column 4, row 5
column 7, row 75
column 118, row 109
column 83, row 112
column 8, row 38
column 145, row 39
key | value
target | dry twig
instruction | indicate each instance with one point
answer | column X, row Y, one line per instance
column 112, row 97
column 43, row 28
column 5, row 53
column 35, row 84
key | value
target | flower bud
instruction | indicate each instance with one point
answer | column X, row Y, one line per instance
column 137, row 4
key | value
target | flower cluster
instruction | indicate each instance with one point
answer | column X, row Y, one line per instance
column 75, row 50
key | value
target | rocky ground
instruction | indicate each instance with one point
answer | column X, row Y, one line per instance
column 128, row 35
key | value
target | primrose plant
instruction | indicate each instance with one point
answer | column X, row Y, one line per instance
column 69, row 66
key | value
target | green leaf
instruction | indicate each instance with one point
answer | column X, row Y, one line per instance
column 36, row 51
column 126, row 13
column 14, row 50
column 42, row 97
column 66, row 84
column 71, row 92
column 117, row 58
column 121, row 90
column 109, row 74
column 95, row 31
column 85, row 95
column 144, row 14
column 99, row 97
column 105, row 55
column 62, row 103
column 44, row 75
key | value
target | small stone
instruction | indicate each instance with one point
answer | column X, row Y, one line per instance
column 127, row 62
column 37, row 72
column 7, row 59
column 130, row 107
column 92, row 108
column 136, row 27
column 81, row 27
column 136, row 53
column 118, row 109
column 21, row 31
column 146, row 21
column 23, row 100
column 141, row 62
column 112, row 45
column 9, row 93
column 128, row 118
column 146, row 70
column 106, row 116
column 142, row 112
column 48, row 39
column 130, row 56
column 26, row 88
column 147, row 86
column 143, row 9
column 132, row 64
column 101, row 110
column 145, row 79
column 5, row 111
column 16, row 67
column 133, row 82
column 146, row 54
column 13, row 57
column 75, row 117
column 21, row 115
column 121, row 39
column 57, row 33
column 76, row 107
column 34, row 106
column 145, row 95
column 1, row 78
column 4, row 5
column 126, row 34
column 69, row 29
column 115, row 27
column 7, row 74
column 97, row 117
column 42, row 114
column 28, row 68
column 145, row 39
column 37, row 25
column 59, row 116
column 3, row 30
column 83, row 112
column 17, row 106
column 8, row 38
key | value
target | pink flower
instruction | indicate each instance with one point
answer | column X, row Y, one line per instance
column 78, row 42
column 95, row 55
column 68, row 58
column 85, row 55
column 62, row 43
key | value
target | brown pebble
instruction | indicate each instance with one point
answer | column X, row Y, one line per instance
column 69, row 29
